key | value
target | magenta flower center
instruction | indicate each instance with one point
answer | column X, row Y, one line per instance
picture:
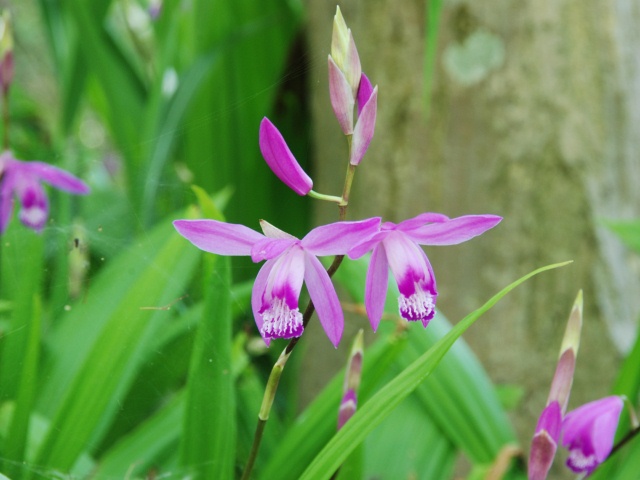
column 579, row 462
column 420, row 305
column 281, row 321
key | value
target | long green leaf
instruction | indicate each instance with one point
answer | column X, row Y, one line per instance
column 313, row 428
column 110, row 330
column 18, row 434
column 458, row 396
column 378, row 407
column 135, row 454
column 209, row 431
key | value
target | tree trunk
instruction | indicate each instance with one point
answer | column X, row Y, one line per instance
column 533, row 110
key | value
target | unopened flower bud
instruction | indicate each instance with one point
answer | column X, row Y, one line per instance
column 6, row 51
column 280, row 159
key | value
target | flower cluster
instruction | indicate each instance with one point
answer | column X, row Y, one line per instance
column 588, row 431
column 290, row 262
column 22, row 180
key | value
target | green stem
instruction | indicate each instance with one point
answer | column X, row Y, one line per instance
column 326, row 198
column 274, row 379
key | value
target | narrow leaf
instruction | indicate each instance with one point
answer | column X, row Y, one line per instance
column 208, row 439
column 378, row 407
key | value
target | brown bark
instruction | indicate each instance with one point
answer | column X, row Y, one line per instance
column 541, row 131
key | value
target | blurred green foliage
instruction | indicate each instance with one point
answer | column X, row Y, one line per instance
column 127, row 353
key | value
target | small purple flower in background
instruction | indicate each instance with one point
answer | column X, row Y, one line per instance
column 289, row 262
column 547, row 435
column 280, row 159
column 398, row 247
column 352, row 377
column 588, row 433
column 22, row 180
column 155, row 9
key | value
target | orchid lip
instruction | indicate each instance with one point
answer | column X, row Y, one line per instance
column 281, row 321
column 418, row 306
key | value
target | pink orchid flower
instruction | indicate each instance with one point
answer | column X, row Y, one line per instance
column 22, row 180
column 398, row 247
column 588, row 432
column 289, row 262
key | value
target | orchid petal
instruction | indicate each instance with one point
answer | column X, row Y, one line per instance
column 218, row 237
column 6, row 200
column 351, row 67
column 280, row 159
column 589, row 431
column 324, row 298
column 56, row 177
column 454, row 231
column 364, row 92
column 413, row 273
column 337, row 238
column 365, row 127
column 420, row 221
column 259, row 287
column 367, row 245
column 281, row 317
column 268, row 248
column 341, row 97
column 34, row 209
column 375, row 292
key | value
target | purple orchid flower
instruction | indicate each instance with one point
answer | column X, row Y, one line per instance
column 22, row 179
column 588, row 432
column 280, row 159
column 398, row 247
column 289, row 262
column 547, row 435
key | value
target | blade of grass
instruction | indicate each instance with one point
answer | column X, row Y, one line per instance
column 313, row 428
column 378, row 407
column 136, row 453
column 15, row 448
column 208, row 438
column 110, row 333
